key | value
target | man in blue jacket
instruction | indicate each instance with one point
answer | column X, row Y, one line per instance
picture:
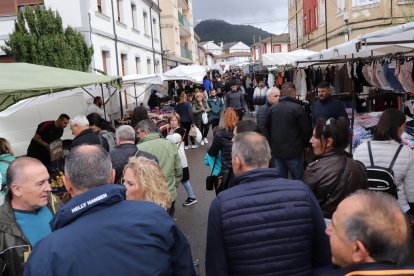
column 264, row 224
column 98, row 232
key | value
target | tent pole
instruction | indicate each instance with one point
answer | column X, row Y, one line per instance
column 103, row 100
column 109, row 97
column 121, row 109
column 136, row 99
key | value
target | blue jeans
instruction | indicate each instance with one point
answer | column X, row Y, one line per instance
column 293, row 165
column 188, row 188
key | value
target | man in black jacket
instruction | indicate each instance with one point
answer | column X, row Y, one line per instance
column 289, row 133
column 126, row 148
column 84, row 135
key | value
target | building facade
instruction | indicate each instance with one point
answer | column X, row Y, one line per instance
column 320, row 24
column 179, row 43
column 271, row 44
column 125, row 35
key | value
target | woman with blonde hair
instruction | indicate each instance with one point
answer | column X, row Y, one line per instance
column 222, row 142
column 144, row 180
column 200, row 107
column 175, row 135
column 185, row 110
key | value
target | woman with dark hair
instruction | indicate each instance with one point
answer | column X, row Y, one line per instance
column 103, row 129
column 185, row 110
column 222, row 142
column 387, row 139
column 140, row 113
column 333, row 175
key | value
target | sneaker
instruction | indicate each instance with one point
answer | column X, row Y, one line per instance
column 205, row 141
column 190, row 201
column 186, row 147
column 202, row 142
column 194, row 146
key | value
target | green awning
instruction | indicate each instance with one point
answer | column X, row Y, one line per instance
column 19, row 81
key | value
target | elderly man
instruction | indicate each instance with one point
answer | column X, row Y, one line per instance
column 273, row 95
column 25, row 215
column 166, row 153
column 83, row 134
column 46, row 133
column 125, row 148
column 369, row 232
column 98, row 232
column 327, row 106
column 289, row 133
column 264, row 223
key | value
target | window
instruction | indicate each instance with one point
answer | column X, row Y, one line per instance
column 124, row 63
column 305, row 24
column 340, row 4
column 310, row 21
column 99, row 5
column 154, row 28
column 149, row 67
column 32, row 7
column 315, row 17
column 277, row 48
column 357, row 3
column 145, row 15
column 292, row 31
column 300, row 27
column 105, row 61
column 157, row 67
column 134, row 16
column 119, row 10
column 322, row 12
column 138, row 64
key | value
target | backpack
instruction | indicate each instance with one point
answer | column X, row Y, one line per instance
column 380, row 178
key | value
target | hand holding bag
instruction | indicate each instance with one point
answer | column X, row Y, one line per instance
column 204, row 117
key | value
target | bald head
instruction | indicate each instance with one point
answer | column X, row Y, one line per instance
column 376, row 220
column 17, row 168
column 88, row 166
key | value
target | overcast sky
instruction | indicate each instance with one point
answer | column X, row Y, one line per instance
column 269, row 15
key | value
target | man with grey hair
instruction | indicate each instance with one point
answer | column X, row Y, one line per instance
column 98, row 232
column 166, row 153
column 83, row 134
column 273, row 95
column 264, row 223
column 125, row 148
column 369, row 232
column 25, row 215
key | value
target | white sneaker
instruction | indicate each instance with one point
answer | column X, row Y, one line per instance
column 202, row 142
column 186, row 147
column 194, row 146
column 205, row 141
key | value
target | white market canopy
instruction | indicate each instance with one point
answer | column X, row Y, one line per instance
column 289, row 58
column 194, row 73
column 391, row 40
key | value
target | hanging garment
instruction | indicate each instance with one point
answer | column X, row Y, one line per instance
column 337, row 81
column 270, row 80
column 381, row 78
column 367, row 78
column 360, row 75
column 389, row 76
column 405, row 76
column 373, row 76
column 345, row 82
column 279, row 80
column 318, row 76
column 327, row 75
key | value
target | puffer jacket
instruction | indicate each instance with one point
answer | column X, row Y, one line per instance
column 198, row 113
column 382, row 153
column 13, row 243
column 266, row 225
column 332, row 177
column 261, row 116
column 222, row 142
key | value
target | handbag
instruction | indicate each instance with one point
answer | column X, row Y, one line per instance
column 193, row 131
column 211, row 180
column 204, row 117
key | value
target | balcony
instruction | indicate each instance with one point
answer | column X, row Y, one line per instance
column 184, row 25
column 185, row 53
